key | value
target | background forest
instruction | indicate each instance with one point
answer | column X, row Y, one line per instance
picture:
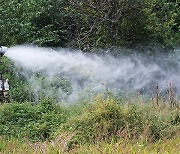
column 91, row 23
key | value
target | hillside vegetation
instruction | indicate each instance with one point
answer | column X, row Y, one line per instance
column 105, row 125
column 91, row 23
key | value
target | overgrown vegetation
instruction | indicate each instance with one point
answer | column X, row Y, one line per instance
column 90, row 24
column 19, row 146
column 104, row 120
column 105, row 125
column 35, row 122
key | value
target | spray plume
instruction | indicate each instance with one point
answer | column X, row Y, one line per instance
column 69, row 74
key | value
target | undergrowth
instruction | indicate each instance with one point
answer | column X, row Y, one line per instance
column 101, row 122
column 108, row 120
column 27, row 120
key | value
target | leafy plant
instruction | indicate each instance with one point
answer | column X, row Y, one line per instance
column 36, row 122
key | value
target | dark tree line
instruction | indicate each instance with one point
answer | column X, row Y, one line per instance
column 91, row 23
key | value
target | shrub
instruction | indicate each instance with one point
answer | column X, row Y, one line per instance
column 99, row 121
column 107, row 120
column 14, row 118
column 36, row 122
column 175, row 118
column 51, row 117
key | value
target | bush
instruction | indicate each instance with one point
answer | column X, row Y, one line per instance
column 99, row 121
column 36, row 122
column 107, row 120
column 103, row 120
column 51, row 117
column 15, row 117
column 175, row 118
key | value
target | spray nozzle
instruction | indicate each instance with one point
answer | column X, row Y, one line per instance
column 2, row 50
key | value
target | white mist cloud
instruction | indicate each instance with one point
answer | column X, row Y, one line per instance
column 95, row 72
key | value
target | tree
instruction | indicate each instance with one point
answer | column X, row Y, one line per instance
column 110, row 23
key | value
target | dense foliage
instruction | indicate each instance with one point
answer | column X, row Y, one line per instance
column 108, row 122
column 34, row 122
column 89, row 24
column 104, row 120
